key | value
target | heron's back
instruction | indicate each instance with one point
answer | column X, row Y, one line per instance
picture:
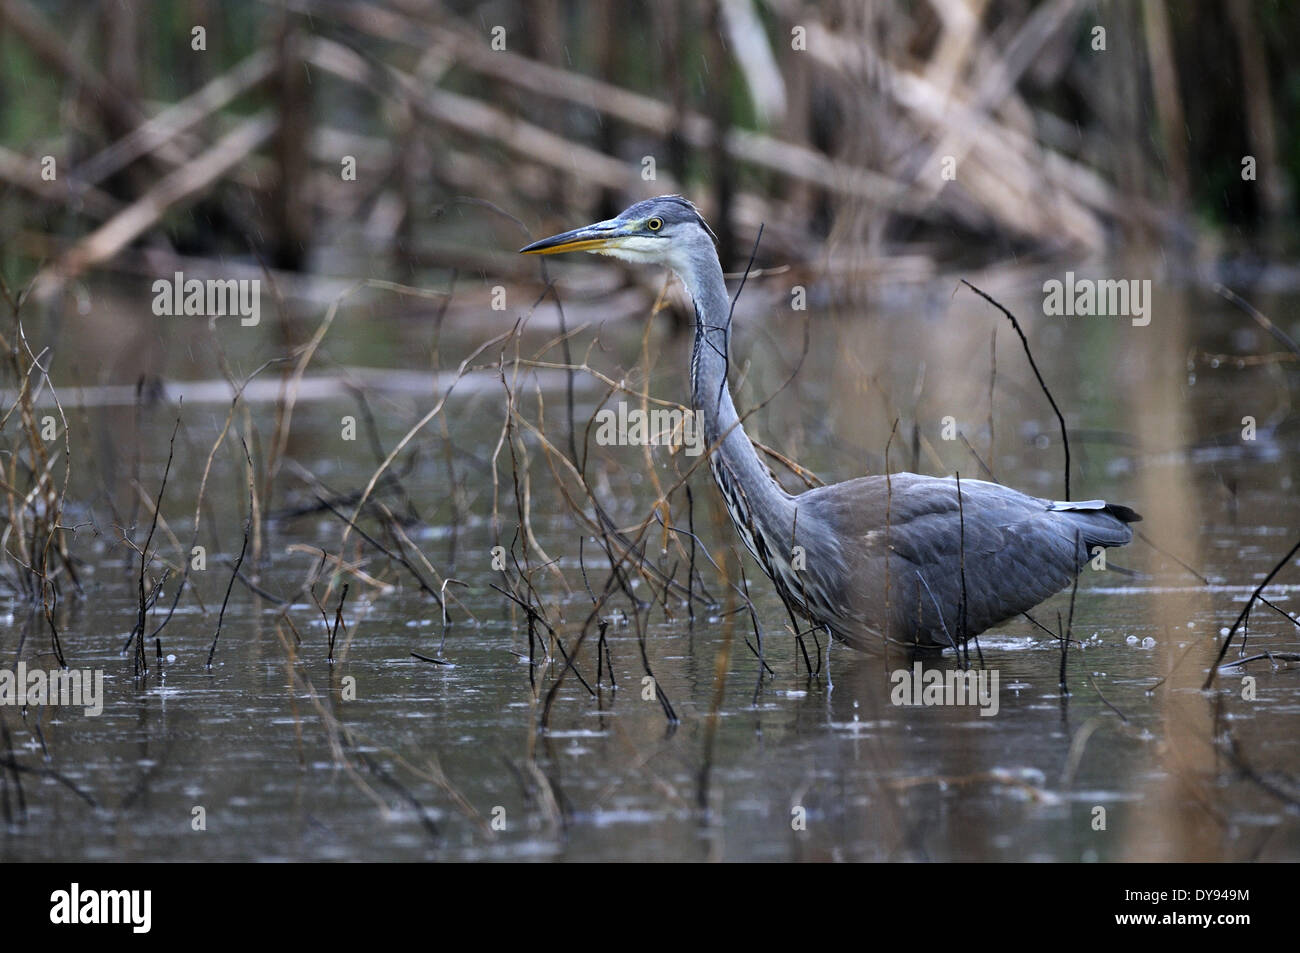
column 904, row 544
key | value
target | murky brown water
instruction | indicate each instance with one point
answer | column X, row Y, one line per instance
column 381, row 756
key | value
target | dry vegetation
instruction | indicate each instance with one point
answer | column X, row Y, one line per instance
column 831, row 127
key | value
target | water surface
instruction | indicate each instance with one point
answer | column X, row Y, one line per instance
column 383, row 756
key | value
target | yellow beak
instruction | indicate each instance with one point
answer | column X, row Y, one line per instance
column 587, row 238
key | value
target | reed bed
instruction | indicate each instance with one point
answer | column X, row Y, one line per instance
column 834, row 152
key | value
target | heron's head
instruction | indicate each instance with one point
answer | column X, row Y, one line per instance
column 661, row 231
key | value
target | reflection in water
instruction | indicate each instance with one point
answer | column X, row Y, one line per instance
column 275, row 753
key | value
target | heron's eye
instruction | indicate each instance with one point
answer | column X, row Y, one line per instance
column 655, row 224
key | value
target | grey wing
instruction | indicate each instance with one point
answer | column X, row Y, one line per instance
column 1018, row 551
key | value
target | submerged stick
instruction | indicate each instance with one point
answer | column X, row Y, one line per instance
column 144, row 554
column 1065, row 440
column 1245, row 611
column 248, row 529
column 962, row 628
column 1069, row 626
column 338, row 621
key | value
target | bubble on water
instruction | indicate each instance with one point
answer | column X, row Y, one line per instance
column 1148, row 643
column 1191, row 625
column 1132, row 640
column 171, row 658
column 1223, row 630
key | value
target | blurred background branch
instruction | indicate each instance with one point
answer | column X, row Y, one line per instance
column 876, row 141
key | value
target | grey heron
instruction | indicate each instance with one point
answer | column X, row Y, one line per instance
column 874, row 560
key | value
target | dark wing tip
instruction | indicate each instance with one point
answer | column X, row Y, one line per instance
column 1123, row 513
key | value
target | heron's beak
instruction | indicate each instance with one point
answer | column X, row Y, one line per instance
column 588, row 238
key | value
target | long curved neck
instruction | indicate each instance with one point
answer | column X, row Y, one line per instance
column 735, row 460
